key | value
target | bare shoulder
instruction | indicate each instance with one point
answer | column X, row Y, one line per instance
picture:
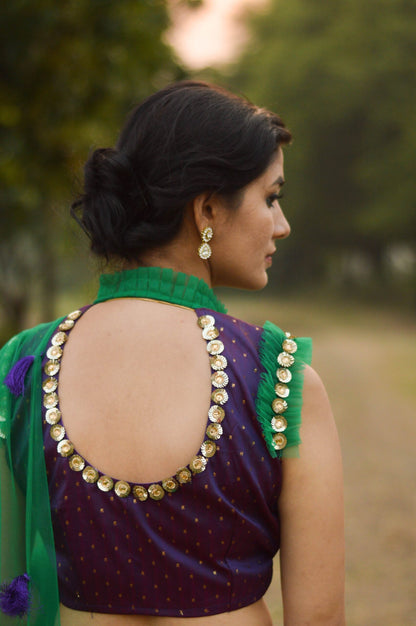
column 315, row 396
column 318, row 430
column 319, row 452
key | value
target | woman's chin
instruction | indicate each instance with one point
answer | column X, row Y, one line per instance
column 257, row 282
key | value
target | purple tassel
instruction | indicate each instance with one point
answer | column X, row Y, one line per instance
column 15, row 379
column 15, row 597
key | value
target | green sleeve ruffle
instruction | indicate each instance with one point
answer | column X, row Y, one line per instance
column 269, row 349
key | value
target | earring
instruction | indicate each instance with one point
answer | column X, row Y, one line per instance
column 204, row 249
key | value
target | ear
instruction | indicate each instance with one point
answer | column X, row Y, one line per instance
column 206, row 210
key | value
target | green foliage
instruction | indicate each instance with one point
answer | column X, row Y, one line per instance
column 70, row 71
column 343, row 77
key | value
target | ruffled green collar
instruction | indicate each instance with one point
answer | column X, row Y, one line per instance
column 159, row 284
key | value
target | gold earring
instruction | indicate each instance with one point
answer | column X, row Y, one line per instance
column 204, row 249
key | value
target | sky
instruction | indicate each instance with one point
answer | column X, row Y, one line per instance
column 211, row 34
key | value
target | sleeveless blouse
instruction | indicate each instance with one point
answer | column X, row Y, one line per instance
column 202, row 541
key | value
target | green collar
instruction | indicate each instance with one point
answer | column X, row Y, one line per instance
column 159, row 284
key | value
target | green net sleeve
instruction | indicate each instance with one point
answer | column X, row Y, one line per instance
column 279, row 397
column 26, row 536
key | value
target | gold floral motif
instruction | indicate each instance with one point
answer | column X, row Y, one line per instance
column 66, row 324
column 282, row 390
column 183, row 475
column 170, row 484
column 49, row 385
column 279, row 441
column 105, row 483
column 215, row 346
column 289, row 345
column 279, row 405
column 57, row 432
column 59, row 338
column 205, row 320
column 214, row 431
column 122, row 488
column 52, row 416
column 76, row 463
column 210, row 332
column 90, row 474
column 285, row 359
column 219, row 379
column 54, row 352
column 279, row 423
column 51, row 368
column 218, row 362
column 140, row 493
column 156, row 491
column 50, row 400
column 74, row 315
column 284, row 375
column 65, row 447
column 220, row 396
column 198, row 464
column 208, row 449
column 216, row 414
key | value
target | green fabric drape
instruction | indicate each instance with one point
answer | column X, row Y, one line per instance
column 26, row 535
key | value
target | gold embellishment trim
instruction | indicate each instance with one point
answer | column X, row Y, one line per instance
column 220, row 396
column 54, row 352
column 279, row 405
column 51, row 368
column 53, row 416
column 122, row 488
column 57, row 432
column 218, row 362
column 90, row 474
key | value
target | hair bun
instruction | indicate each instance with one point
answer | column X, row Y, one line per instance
column 113, row 200
column 108, row 171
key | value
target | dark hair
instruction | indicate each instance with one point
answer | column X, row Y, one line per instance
column 184, row 140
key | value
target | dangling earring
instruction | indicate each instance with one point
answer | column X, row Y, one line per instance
column 204, row 249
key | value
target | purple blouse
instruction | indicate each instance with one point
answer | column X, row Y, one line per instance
column 203, row 549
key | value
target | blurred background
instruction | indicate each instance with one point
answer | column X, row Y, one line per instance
column 343, row 77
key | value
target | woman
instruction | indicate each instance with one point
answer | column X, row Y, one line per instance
column 153, row 512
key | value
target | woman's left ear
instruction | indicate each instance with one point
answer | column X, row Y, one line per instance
column 206, row 209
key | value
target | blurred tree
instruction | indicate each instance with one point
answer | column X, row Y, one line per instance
column 344, row 78
column 69, row 71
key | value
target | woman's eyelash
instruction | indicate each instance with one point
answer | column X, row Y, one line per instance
column 273, row 197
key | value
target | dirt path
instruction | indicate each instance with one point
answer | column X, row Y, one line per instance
column 377, row 425
column 368, row 362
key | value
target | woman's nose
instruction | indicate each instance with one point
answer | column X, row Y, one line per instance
column 281, row 226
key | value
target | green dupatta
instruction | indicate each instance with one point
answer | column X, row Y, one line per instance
column 26, row 536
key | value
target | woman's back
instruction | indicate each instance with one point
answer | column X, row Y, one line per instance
column 141, row 373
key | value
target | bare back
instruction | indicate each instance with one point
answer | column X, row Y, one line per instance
column 135, row 388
